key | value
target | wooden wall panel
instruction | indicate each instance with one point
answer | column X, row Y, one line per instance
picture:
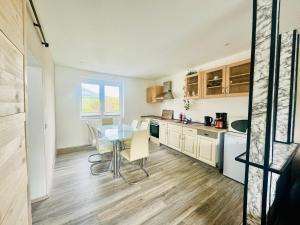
column 11, row 78
column 14, row 200
column 13, row 170
column 12, row 21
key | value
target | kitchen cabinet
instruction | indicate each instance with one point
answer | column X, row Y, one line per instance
column 153, row 94
column 174, row 136
column 214, row 82
column 203, row 144
column 238, row 78
column 228, row 80
column 193, row 86
column 189, row 141
column 206, row 150
column 163, row 133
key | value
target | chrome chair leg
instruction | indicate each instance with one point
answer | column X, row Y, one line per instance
column 99, row 162
column 93, row 155
column 101, row 172
column 142, row 162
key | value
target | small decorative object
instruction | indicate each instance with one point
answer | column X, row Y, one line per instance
column 180, row 116
column 187, row 104
column 194, row 94
column 216, row 77
column 191, row 72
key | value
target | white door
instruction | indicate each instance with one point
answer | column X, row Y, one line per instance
column 234, row 145
column 189, row 145
column 207, row 151
column 35, row 133
column 163, row 133
column 174, row 139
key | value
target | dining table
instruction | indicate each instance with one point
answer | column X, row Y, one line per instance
column 116, row 134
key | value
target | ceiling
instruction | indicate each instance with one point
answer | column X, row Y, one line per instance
column 144, row 38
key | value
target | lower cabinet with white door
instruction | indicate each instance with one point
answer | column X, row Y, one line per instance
column 207, row 150
column 175, row 136
column 189, row 142
column 163, row 132
column 204, row 145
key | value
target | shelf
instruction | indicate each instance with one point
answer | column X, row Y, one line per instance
column 282, row 155
column 215, row 86
column 239, row 75
column 215, row 79
column 192, row 97
column 241, row 83
column 193, row 83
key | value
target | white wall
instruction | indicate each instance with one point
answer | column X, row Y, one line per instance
column 70, row 128
column 44, row 57
column 35, row 133
column 234, row 106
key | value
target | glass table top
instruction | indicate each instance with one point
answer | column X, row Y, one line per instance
column 116, row 132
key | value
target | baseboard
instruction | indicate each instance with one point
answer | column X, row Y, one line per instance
column 73, row 149
column 39, row 199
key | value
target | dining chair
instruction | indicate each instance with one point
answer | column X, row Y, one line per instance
column 145, row 125
column 104, row 148
column 92, row 139
column 134, row 124
column 95, row 136
column 138, row 151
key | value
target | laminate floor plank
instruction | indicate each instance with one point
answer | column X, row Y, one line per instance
column 180, row 191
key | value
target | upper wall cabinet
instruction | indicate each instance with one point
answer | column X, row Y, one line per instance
column 193, row 86
column 229, row 80
column 154, row 94
column 11, row 21
column 214, row 82
column 238, row 78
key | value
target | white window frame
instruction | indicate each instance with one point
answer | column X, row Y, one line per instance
column 102, row 84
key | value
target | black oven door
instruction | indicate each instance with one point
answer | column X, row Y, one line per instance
column 154, row 130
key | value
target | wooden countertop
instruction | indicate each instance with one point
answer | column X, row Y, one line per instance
column 193, row 125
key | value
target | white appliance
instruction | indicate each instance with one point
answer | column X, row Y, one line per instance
column 234, row 145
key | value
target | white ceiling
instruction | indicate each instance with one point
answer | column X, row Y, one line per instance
column 144, row 38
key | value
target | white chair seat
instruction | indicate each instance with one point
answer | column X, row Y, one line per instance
column 104, row 147
column 126, row 154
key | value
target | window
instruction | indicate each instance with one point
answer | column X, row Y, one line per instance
column 112, row 99
column 90, row 102
column 101, row 98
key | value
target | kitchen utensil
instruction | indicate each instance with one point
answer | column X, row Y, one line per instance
column 167, row 114
column 208, row 120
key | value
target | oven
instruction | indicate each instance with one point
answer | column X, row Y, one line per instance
column 154, row 128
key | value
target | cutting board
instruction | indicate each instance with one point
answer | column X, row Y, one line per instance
column 167, row 114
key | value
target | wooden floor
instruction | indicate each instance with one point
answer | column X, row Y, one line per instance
column 180, row 191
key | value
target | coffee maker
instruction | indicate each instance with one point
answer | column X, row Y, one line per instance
column 221, row 120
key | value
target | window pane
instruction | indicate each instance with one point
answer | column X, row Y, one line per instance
column 112, row 99
column 90, row 99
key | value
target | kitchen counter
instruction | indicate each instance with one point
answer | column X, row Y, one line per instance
column 193, row 125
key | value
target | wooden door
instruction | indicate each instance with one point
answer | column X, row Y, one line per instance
column 206, row 151
column 174, row 136
column 14, row 200
column 238, row 78
column 163, row 133
column 214, row 82
column 149, row 95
